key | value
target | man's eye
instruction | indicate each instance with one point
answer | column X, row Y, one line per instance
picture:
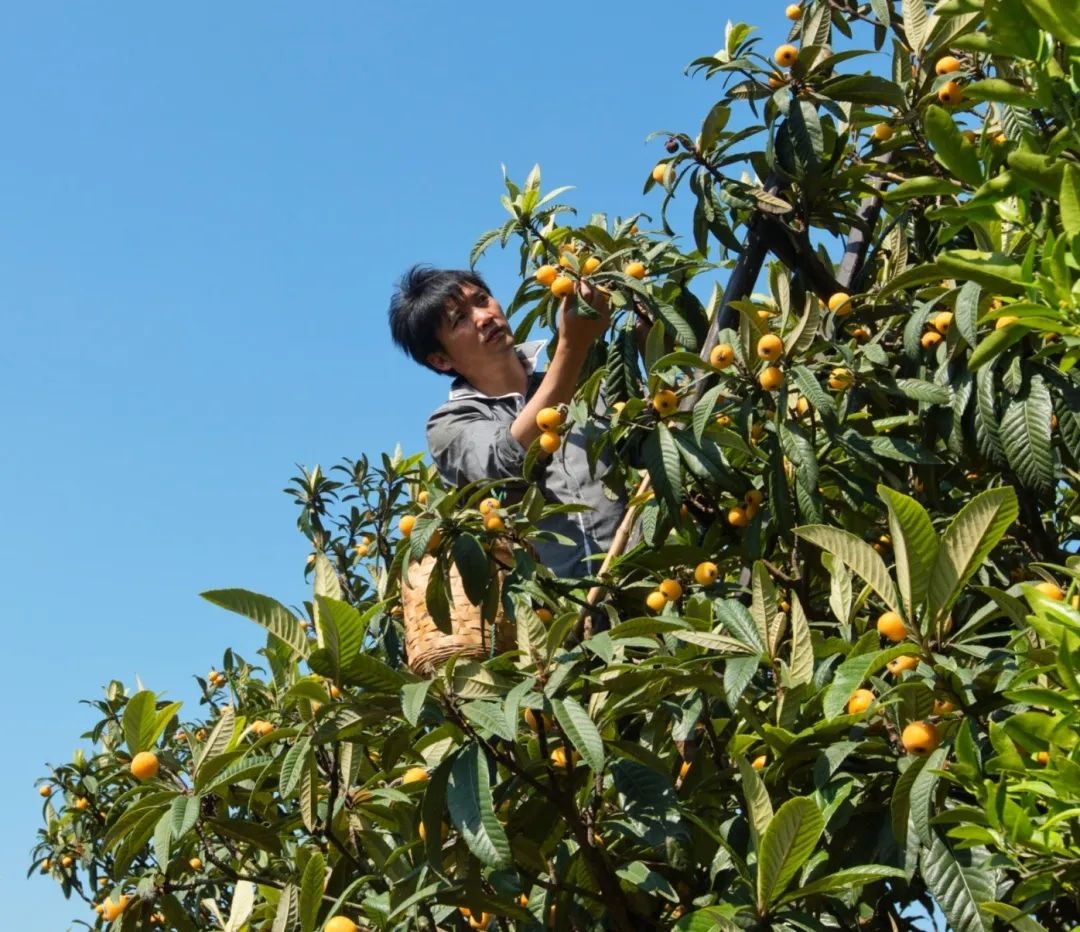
column 482, row 299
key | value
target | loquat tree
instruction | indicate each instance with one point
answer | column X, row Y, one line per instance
column 831, row 677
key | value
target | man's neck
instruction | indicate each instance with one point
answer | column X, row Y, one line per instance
column 505, row 378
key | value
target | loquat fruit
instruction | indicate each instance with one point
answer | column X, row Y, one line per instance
column 670, row 589
column 860, row 701
column 771, row 378
column 590, row 265
column 341, row 924
column 665, row 402
column 920, row 738
column 786, row 55
column 759, row 762
column 549, row 418
column 793, row 11
column 494, row 523
column 947, row 64
column 930, row 339
column 635, row 269
column 898, row 665
column 840, row 303
column 414, row 775
column 144, row 765
column 882, row 132
column 722, row 356
column 656, row 601
column 891, row 626
column 1051, row 591
column 488, row 505
column 562, row 286
column 550, row 441
column 770, row 347
column 950, row 94
column 406, row 524
column 706, row 572
column 737, row 517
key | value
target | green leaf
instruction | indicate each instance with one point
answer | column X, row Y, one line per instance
column 858, row 556
column 311, row 890
column 843, row 881
column 995, row 343
column 473, row 565
column 1016, row 918
column 1025, row 435
column 713, row 641
column 261, row 609
column 923, row 186
column 849, row 676
column 914, row 547
column 162, row 838
column 292, row 767
column 1001, row 91
column 140, row 715
column 664, row 465
column 957, row 891
column 413, row 697
column 487, row 717
column 581, row 731
column 966, row 544
column 758, row 805
column 468, row 796
column 950, row 147
column 802, row 648
column 371, row 673
column 763, row 606
column 990, row 269
column 922, row 795
column 342, row 630
column 1070, row 199
column 221, row 739
column 916, row 23
column 865, row 89
column 789, row 840
column 287, row 916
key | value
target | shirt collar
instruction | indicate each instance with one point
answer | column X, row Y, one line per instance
column 528, row 353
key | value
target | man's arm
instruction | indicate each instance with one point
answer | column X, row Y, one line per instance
column 576, row 335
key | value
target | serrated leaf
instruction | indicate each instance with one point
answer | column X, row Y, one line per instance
column 848, row 677
column 292, row 766
column 858, row 556
column 487, row 717
column 473, row 565
column 1070, row 199
column 956, row 891
column 582, row 732
column 802, row 649
column 468, row 797
column 1025, row 435
column 264, row 611
column 916, row 23
column 287, row 916
column 914, row 547
column 413, row 697
column 967, row 542
column 220, row 740
column 138, row 721
column 789, row 840
column 311, row 890
column 922, row 795
column 758, row 805
column 664, row 465
column 710, row 640
column 341, row 632
column 843, row 881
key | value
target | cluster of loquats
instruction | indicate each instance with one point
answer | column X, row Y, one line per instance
column 550, row 421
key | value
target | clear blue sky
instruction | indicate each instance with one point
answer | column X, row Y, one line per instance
column 204, row 209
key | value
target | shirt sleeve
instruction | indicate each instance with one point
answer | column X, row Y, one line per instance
column 470, row 441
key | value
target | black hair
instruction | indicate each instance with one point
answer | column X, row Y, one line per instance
column 419, row 305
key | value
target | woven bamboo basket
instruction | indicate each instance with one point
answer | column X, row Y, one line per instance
column 428, row 647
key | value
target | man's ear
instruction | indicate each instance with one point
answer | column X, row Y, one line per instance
column 440, row 361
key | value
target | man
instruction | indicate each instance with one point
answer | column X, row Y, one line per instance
column 449, row 321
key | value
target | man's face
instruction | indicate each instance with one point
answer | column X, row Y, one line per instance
column 473, row 334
